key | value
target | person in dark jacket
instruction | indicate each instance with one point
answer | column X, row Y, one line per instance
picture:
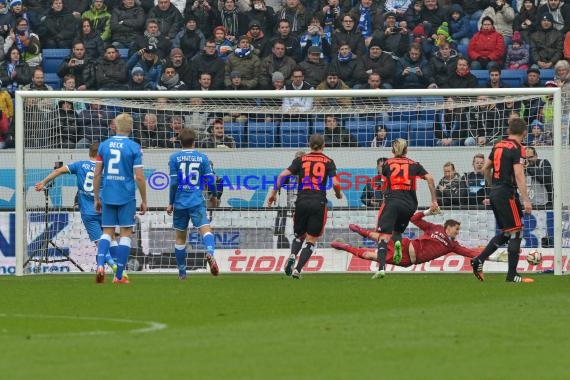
column 111, row 71
column 58, row 28
column 94, row 45
column 380, row 62
column 350, row 70
column 168, row 17
column 348, row 33
column 372, row 196
column 151, row 36
column 76, row 64
column 337, row 136
column 208, row 62
column 461, row 77
column 190, row 39
column 442, row 64
column 314, row 67
column 127, row 22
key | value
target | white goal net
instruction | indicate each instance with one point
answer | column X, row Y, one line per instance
column 250, row 137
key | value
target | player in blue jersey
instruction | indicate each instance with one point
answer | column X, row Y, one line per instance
column 83, row 171
column 189, row 171
column 118, row 170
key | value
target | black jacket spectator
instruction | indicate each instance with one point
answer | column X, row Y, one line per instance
column 191, row 41
column 169, row 20
column 94, row 45
column 207, row 63
column 111, row 73
column 442, row 67
column 315, row 71
column 79, row 70
column 206, row 15
column 126, row 24
column 352, row 36
column 58, row 29
column 265, row 16
column 383, row 65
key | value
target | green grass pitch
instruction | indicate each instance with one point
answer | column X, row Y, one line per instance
column 341, row 326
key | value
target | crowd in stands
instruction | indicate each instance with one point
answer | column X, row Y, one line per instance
column 271, row 44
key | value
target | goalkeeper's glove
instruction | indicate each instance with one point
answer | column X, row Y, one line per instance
column 428, row 212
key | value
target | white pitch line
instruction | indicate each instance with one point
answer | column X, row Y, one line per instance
column 151, row 326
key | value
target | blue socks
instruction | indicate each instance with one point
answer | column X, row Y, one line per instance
column 208, row 238
column 112, row 254
column 123, row 250
column 103, row 249
column 180, row 253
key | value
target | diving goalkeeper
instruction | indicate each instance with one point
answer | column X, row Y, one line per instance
column 436, row 241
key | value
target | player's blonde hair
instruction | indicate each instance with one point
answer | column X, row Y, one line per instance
column 124, row 124
column 399, row 147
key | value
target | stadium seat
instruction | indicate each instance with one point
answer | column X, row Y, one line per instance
column 396, row 125
column 416, row 125
column 422, row 133
column 513, row 78
column 397, row 134
column 124, row 53
column 236, row 130
column 546, row 75
column 362, row 129
column 422, row 137
column 405, row 103
column 52, row 58
column 294, row 134
column 261, row 134
column 429, row 114
column 482, row 76
column 318, row 127
column 53, row 80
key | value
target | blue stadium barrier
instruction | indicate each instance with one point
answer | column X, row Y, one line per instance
column 362, row 129
column 430, row 113
column 52, row 58
column 52, row 80
column 546, row 75
column 294, row 134
column 424, row 125
column 422, row 137
column 482, row 76
column 397, row 126
column 398, row 134
column 261, row 134
column 403, row 101
column 236, row 130
column 513, row 78
column 318, row 127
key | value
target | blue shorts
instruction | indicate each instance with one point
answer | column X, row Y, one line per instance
column 196, row 214
column 92, row 224
column 119, row 215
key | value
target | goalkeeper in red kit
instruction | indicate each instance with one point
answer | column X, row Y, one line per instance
column 436, row 241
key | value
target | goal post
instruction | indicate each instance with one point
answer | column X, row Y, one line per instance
column 267, row 135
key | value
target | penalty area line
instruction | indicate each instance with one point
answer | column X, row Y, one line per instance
column 148, row 326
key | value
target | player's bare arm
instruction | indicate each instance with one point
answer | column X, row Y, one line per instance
column 431, row 185
column 97, row 185
column 487, row 172
column 336, row 187
column 50, row 177
column 521, row 184
column 139, row 178
column 273, row 194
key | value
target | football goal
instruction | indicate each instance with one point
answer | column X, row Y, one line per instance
column 250, row 136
